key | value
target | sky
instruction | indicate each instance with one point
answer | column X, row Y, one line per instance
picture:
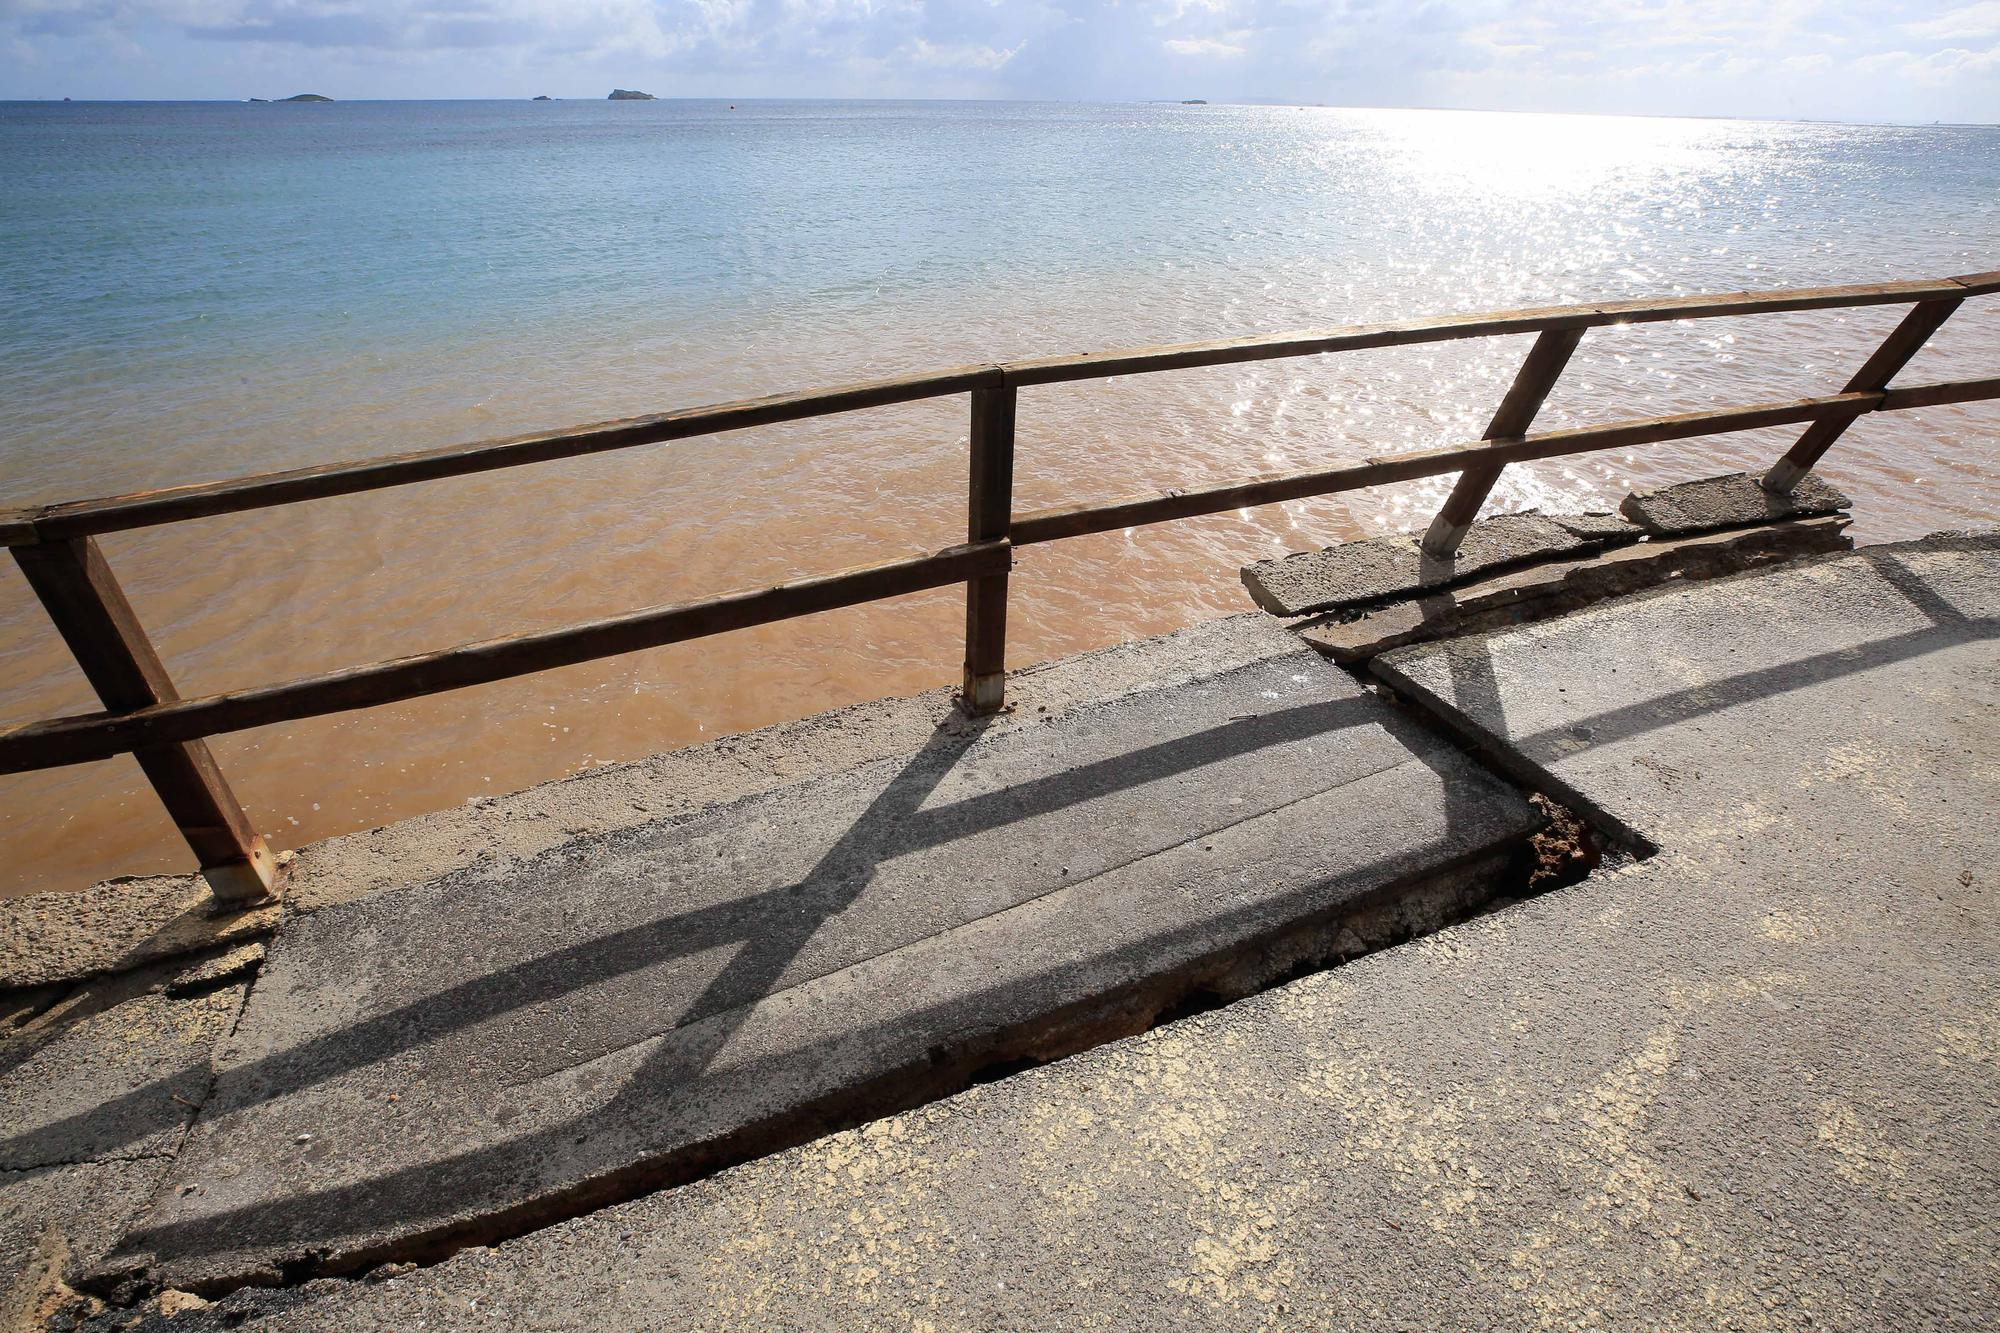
column 1805, row 59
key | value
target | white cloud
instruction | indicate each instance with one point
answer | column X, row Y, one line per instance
column 1967, row 21
column 958, row 56
column 1206, row 46
column 1856, row 58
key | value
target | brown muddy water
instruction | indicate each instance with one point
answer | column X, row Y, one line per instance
column 1256, row 219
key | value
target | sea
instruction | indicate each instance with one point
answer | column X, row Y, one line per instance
column 192, row 291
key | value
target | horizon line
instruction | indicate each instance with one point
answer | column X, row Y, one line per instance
column 1068, row 101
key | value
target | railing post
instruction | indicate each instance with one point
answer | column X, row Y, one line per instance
column 1903, row 342
column 91, row 611
column 1532, row 382
column 989, row 514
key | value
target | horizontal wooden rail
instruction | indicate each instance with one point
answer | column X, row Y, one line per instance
column 86, row 517
column 90, row 517
column 1137, row 511
column 74, row 740
column 1263, row 347
column 54, row 543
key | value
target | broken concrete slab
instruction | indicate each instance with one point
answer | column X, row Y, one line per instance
column 1733, row 500
column 231, row 963
column 1355, row 574
column 1748, row 1083
column 115, row 1069
column 52, row 938
column 1598, row 525
column 1543, row 590
column 1723, row 662
column 501, row 1046
column 56, row 1222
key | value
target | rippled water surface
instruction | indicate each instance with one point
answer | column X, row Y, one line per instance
column 193, row 291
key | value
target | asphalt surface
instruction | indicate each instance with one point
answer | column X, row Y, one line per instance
column 1750, row 1082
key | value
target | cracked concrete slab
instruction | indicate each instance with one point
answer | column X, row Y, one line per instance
column 1750, row 1083
column 1623, row 732
column 114, row 1069
column 97, row 1086
column 1547, row 589
column 1355, row 574
column 1728, row 501
column 625, row 1009
column 121, row 924
column 58, row 1221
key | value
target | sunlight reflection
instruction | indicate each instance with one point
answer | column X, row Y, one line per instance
column 1507, row 155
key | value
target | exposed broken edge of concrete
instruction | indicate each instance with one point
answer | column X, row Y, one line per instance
column 1552, row 588
column 1733, row 500
column 1354, row 575
column 122, row 1064
column 61, row 938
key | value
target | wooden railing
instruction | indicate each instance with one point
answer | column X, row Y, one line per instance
column 56, row 546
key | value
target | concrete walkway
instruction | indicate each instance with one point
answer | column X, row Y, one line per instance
column 1751, row 1082
column 519, row 1042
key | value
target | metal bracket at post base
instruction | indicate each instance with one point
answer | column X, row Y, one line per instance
column 250, row 883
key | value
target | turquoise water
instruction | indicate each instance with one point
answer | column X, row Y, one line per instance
column 189, row 291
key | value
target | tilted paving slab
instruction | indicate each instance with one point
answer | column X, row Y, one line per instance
column 1728, row 501
column 1644, row 696
column 1552, row 588
column 435, row 1062
column 121, row 924
column 1748, row 1083
column 1363, row 572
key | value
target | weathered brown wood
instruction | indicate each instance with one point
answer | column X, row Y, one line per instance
column 17, row 527
column 1903, row 342
column 96, row 620
column 88, row 517
column 84, row 517
column 1940, row 395
column 1540, row 370
column 990, row 502
column 1078, row 520
column 97, row 736
column 1226, row 351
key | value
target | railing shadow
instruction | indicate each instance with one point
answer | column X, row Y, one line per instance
column 772, row 928
column 680, row 1080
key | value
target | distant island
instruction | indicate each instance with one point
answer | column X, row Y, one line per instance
column 305, row 97
column 543, row 97
column 1194, row 101
column 628, row 95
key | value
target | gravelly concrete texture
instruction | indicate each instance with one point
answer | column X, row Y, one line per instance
column 1542, row 590
column 640, row 1005
column 97, row 1086
column 1358, row 573
column 56, row 1220
column 1728, row 501
column 1750, row 1083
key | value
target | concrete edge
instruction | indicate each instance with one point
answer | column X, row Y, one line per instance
column 1505, row 759
column 67, row 936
